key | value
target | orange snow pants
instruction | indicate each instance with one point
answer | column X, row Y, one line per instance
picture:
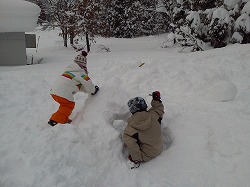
column 65, row 109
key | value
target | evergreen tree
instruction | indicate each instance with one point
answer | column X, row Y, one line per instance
column 242, row 25
column 197, row 5
column 126, row 18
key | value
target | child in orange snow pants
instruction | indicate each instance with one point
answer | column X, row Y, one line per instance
column 74, row 79
column 65, row 109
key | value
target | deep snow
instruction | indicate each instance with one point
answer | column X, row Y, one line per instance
column 207, row 102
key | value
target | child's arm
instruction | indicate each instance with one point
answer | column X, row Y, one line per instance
column 158, row 107
column 86, row 83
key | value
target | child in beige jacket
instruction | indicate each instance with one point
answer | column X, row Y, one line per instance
column 142, row 134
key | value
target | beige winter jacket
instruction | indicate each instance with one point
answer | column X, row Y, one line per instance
column 143, row 133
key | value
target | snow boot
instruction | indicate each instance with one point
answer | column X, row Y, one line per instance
column 52, row 123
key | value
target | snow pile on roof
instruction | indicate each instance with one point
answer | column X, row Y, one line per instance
column 18, row 16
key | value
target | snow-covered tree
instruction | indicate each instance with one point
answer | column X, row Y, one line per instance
column 242, row 25
column 136, row 18
column 193, row 21
column 125, row 18
column 197, row 5
column 216, row 22
column 220, row 28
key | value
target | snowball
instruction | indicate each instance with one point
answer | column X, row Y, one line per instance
column 221, row 91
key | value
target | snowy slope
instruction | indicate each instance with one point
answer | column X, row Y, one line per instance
column 207, row 102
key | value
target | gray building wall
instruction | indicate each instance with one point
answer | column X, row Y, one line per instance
column 12, row 48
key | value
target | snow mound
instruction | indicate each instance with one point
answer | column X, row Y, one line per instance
column 221, row 91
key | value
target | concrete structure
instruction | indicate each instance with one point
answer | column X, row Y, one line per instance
column 12, row 48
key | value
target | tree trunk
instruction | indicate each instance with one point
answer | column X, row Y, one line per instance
column 87, row 42
column 65, row 37
column 71, row 38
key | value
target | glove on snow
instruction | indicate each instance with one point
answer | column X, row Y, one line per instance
column 137, row 163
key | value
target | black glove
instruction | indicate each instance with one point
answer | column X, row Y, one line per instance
column 137, row 163
column 156, row 96
column 96, row 90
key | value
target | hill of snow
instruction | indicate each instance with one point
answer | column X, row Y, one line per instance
column 207, row 102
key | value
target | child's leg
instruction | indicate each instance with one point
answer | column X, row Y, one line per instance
column 65, row 109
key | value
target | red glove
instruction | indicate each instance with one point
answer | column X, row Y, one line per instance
column 156, row 95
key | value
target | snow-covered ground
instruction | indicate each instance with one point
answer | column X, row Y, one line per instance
column 207, row 103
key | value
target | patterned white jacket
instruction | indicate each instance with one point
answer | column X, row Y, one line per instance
column 73, row 80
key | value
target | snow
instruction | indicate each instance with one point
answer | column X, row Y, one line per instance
column 243, row 22
column 160, row 7
column 18, row 16
column 246, row 8
column 207, row 102
column 237, row 38
column 194, row 17
column 222, row 15
column 230, row 4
